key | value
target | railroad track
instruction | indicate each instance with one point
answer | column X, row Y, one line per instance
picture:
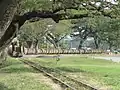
column 66, row 82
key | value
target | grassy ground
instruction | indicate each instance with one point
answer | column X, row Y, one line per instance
column 14, row 75
column 94, row 71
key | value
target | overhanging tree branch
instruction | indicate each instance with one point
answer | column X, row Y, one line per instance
column 55, row 16
column 88, row 6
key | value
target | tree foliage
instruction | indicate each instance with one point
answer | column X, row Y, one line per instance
column 24, row 10
column 36, row 30
column 100, row 28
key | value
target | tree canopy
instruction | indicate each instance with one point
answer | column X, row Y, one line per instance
column 100, row 28
column 14, row 13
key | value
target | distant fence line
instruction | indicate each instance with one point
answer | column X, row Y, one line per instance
column 57, row 51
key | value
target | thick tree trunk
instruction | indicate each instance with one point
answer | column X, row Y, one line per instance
column 23, row 49
column 8, row 36
column 13, row 47
column 36, row 47
column 96, row 45
column 30, row 46
column 80, row 44
column 3, row 56
column 97, row 42
column 8, row 9
column 110, row 46
column 20, row 50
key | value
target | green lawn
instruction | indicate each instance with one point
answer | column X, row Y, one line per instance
column 14, row 75
column 101, row 73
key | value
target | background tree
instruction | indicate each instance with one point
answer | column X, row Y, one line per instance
column 32, row 33
column 61, row 30
column 35, row 32
column 110, row 32
column 85, row 28
column 100, row 28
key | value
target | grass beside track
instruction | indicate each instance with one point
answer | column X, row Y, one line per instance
column 94, row 71
column 14, row 75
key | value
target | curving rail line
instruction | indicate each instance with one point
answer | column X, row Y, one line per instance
column 63, row 84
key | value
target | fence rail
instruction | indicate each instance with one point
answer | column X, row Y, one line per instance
column 55, row 51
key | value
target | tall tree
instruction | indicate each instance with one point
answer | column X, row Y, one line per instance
column 61, row 30
column 100, row 28
column 32, row 33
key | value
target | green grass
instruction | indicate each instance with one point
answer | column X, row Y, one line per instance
column 14, row 75
column 101, row 72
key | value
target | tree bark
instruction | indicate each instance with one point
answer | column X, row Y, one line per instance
column 36, row 47
column 80, row 44
column 13, row 47
column 3, row 56
column 110, row 46
column 8, row 36
column 30, row 46
column 8, row 9
column 97, row 42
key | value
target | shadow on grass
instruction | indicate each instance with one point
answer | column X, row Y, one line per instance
column 3, row 87
column 68, row 69
column 8, row 63
column 17, row 68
